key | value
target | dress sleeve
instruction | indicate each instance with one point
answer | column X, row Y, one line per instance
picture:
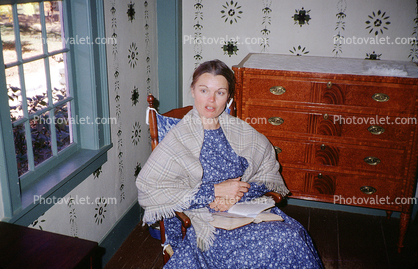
column 204, row 196
column 256, row 190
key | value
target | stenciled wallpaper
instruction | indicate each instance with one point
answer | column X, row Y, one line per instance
column 94, row 207
column 230, row 29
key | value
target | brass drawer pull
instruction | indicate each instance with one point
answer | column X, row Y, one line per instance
column 368, row 189
column 323, row 147
column 326, row 116
column 376, row 129
column 372, row 160
column 277, row 149
column 275, row 120
column 329, row 85
column 277, row 90
column 380, row 97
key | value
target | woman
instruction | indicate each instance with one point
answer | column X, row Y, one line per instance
column 208, row 162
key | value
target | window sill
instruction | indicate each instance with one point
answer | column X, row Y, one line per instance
column 57, row 183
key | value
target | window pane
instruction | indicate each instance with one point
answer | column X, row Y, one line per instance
column 54, row 27
column 63, row 126
column 30, row 29
column 21, row 149
column 41, row 138
column 14, row 93
column 35, row 83
column 58, row 69
column 7, row 34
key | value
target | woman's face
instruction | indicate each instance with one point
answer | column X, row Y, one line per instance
column 210, row 93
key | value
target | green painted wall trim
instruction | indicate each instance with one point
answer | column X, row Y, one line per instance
column 75, row 170
column 169, row 28
column 115, row 238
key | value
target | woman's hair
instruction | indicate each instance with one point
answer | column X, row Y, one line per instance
column 216, row 67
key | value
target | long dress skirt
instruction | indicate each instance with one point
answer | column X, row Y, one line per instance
column 275, row 244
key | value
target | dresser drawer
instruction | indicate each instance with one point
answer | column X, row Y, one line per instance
column 276, row 88
column 360, row 127
column 291, row 121
column 391, row 97
column 290, row 151
column 360, row 158
column 295, row 179
column 369, row 192
column 341, row 157
column 274, row 121
column 344, row 188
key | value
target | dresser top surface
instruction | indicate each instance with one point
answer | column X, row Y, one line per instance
column 332, row 65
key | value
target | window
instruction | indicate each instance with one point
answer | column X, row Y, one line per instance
column 35, row 57
column 54, row 105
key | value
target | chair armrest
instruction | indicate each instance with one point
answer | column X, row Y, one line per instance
column 276, row 197
column 185, row 221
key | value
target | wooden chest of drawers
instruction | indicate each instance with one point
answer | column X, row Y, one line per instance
column 345, row 130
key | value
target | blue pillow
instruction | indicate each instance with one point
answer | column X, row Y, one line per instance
column 164, row 124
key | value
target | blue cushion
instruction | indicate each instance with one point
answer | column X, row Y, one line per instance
column 164, row 124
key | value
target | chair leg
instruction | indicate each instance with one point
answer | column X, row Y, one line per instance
column 166, row 257
column 183, row 231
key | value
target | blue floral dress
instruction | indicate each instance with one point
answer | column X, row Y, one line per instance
column 274, row 244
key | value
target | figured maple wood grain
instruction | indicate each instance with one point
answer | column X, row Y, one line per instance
column 328, row 129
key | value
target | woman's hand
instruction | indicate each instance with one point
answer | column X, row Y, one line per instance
column 222, row 204
column 231, row 189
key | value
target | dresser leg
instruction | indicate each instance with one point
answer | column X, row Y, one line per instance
column 403, row 227
column 388, row 214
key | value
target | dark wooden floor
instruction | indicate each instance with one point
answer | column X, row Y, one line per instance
column 343, row 240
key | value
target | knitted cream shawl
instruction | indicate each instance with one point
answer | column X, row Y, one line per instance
column 173, row 173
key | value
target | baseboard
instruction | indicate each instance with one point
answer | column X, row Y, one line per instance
column 338, row 207
column 120, row 231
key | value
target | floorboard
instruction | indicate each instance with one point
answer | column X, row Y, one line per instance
column 343, row 240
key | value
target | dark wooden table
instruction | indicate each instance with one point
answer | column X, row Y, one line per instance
column 23, row 247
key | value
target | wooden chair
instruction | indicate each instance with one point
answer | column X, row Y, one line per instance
column 179, row 113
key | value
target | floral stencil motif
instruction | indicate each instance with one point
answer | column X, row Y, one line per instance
column 231, row 12
column 147, row 47
column 299, row 51
column 373, row 56
column 266, row 24
column 100, row 210
column 230, row 48
column 378, row 22
column 133, row 55
column 302, row 16
column 37, row 223
column 341, row 7
column 197, row 34
column 114, row 26
column 131, row 11
column 122, row 192
column 414, row 44
column 97, row 173
column 135, row 96
column 136, row 133
column 73, row 217
column 137, row 169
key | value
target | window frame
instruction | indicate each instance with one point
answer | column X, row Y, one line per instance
column 87, row 72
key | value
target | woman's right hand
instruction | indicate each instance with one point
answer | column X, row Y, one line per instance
column 231, row 189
